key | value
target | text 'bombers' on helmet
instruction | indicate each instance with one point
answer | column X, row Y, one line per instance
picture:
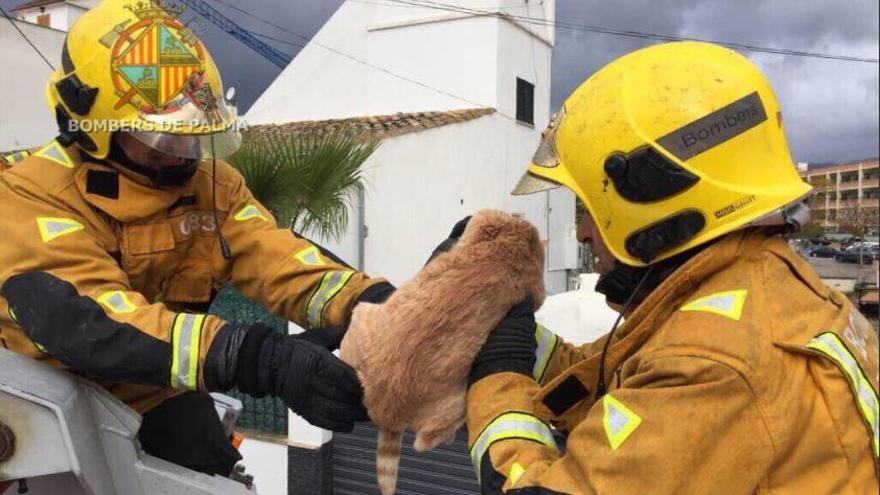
column 670, row 147
column 133, row 64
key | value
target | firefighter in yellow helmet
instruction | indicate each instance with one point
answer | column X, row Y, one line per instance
column 121, row 231
column 737, row 371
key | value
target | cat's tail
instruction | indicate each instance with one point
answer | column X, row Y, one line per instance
column 387, row 460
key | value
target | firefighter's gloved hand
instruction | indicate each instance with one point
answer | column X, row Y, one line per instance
column 328, row 337
column 450, row 241
column 310, row 380
column 510, row 347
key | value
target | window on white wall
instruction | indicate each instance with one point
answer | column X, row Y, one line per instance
column 43, row 20
column 525, row 101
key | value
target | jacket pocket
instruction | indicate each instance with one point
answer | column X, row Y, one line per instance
column 148, row 239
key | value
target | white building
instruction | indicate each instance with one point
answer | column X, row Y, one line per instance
column 459, row 100
column 25, row 120
column 56, row 14
column 374, row 61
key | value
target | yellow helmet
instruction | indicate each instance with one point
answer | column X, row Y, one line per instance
column 669, row 147
column 130, row 66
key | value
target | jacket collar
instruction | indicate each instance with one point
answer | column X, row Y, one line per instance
column 121, row 196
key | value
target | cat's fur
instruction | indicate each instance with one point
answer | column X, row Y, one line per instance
column 414, row 352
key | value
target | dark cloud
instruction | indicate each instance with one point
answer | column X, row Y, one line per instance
column 830, row 107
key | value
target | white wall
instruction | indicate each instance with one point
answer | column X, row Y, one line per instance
column 25, row 120
column 419, row 185
column 58, row 15
column 267, row 462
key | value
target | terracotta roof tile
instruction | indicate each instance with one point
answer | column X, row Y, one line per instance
column 375, row 126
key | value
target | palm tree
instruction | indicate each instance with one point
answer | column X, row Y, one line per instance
column 305, row 179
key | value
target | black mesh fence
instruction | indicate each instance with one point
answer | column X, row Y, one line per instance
column 267, row 414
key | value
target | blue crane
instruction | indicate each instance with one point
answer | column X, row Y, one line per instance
column 226, row 24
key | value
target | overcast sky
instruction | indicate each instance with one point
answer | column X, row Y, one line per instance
column 830, row 107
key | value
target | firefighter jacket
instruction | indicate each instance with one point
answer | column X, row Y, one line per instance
column 741, row 373
column 112, row 278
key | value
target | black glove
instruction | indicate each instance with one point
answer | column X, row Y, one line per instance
column 310, row 380
column 450, row 241
column 510, row 347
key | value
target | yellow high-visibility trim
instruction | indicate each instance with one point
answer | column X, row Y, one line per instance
column 866, row 397
column 511, row 426
column 547, row 342
column 54, row 152
column 249, row 212
column 16, row 157
column 117, row 301
column 516, row 472
column 310, row 256
column 186, row 336
column 52, row 228
column 331, row 284
column 728, row 303
column 620, row 421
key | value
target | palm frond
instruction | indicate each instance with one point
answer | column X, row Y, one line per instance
column 305, row 179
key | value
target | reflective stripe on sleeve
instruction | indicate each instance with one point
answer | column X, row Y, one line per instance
column 547, row 342
column 117, row 301
column 331, row 284
column 249, row 212
column 52, row 228
column 512, row 425
column 186, row 336
column 830, row 345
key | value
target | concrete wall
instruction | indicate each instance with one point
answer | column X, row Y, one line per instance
column 25, row 120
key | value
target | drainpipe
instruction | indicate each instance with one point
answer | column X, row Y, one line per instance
column 362, row 231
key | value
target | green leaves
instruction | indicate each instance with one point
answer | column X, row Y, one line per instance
column 304, row 179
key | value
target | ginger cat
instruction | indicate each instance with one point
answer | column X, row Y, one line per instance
column 414, row 352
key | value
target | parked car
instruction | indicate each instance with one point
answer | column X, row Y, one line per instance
column 858, row 254
column 823, row 252
column 820, row 242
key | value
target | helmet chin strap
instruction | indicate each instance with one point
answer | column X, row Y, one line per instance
column 162, row 178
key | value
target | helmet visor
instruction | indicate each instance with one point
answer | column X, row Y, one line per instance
column 546, row 155
column 192, row 146
column 531, row 184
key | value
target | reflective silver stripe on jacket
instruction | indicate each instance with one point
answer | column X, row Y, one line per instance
column 331, row 284
column 186, row 337
column 866, row 397
column 547, row 342
column 512, row 425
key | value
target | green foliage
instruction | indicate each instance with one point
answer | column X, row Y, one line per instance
column 304, row 179
column 812, row 230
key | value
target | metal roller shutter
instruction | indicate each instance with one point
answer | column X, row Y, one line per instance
column 446, row 470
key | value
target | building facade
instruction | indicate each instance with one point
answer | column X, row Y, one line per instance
column 847, row 193
column 55, row 14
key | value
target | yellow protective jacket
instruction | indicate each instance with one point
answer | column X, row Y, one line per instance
column 741, row 373
column 111, row 278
